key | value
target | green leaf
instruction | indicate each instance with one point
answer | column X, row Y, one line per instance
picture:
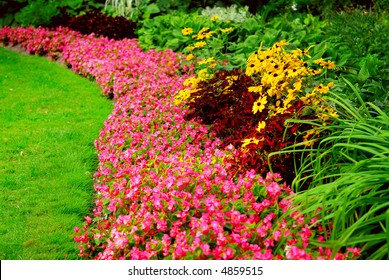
column 250, row 25
column 251, row 43
column 172, row 44
column 363, row 74
column 387, row 231
column 257, row 191
column 151, row 9
column 7, row 20
column 228, row 226
column 343, row 59
column 270, row 37
column 74, row 4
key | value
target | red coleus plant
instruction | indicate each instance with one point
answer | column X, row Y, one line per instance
column 227, row 107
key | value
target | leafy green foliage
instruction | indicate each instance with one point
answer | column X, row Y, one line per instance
column 344, row 175
column 299, row 30
column 362, row 32
column 33, row 14
column 164, row 31
column 357, row 42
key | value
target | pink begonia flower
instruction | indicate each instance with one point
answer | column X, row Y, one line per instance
column 273, row 190
column 262, row 232
column 277, row 235
column 355, row 251
column 88, row 219
column 269, row 242
column 121, row 241
column 112, row 205
column 229, row 254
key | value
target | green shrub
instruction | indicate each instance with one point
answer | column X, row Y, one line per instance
column 41, row 12
column 34, row 13
column 362, row 32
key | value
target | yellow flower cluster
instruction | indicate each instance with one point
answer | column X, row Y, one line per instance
column 230, row 80
column 280, row 77
column 315, row 97
column 211, row 61
column 326, row 64
column 203, row 34
column 192, row 83
column 204, row 64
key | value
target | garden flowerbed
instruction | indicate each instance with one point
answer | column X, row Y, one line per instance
column 166, row 186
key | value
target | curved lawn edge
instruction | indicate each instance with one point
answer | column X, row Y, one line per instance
column 49, row 118
column 163, row 188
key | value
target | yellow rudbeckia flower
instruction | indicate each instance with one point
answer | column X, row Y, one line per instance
column 187, row 31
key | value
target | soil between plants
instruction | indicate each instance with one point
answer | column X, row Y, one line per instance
column 19, row 49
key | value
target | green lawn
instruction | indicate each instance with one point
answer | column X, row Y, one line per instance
column 49, row 118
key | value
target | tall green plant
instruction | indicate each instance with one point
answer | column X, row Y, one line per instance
column 345, row 178
column 123, row 8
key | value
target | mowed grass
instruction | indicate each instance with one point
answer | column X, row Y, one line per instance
column 49, row 119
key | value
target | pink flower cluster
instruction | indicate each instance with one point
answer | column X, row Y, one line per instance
column 39, row 40
column 163, row 188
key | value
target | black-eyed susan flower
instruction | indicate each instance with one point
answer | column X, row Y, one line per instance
column 323, row 89
column 199, row 45
column 209, row 34
column 206, row 61
column 189, row 57
column 257, row 89
column 227, row 30
column 201, row 35
column 259, row 105
column 326, row 64
column 330, row 64
column 319, row 61
column 187, row 31
column 252, row 67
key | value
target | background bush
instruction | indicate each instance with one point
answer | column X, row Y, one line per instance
column 93, row 21
column 41, row 12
